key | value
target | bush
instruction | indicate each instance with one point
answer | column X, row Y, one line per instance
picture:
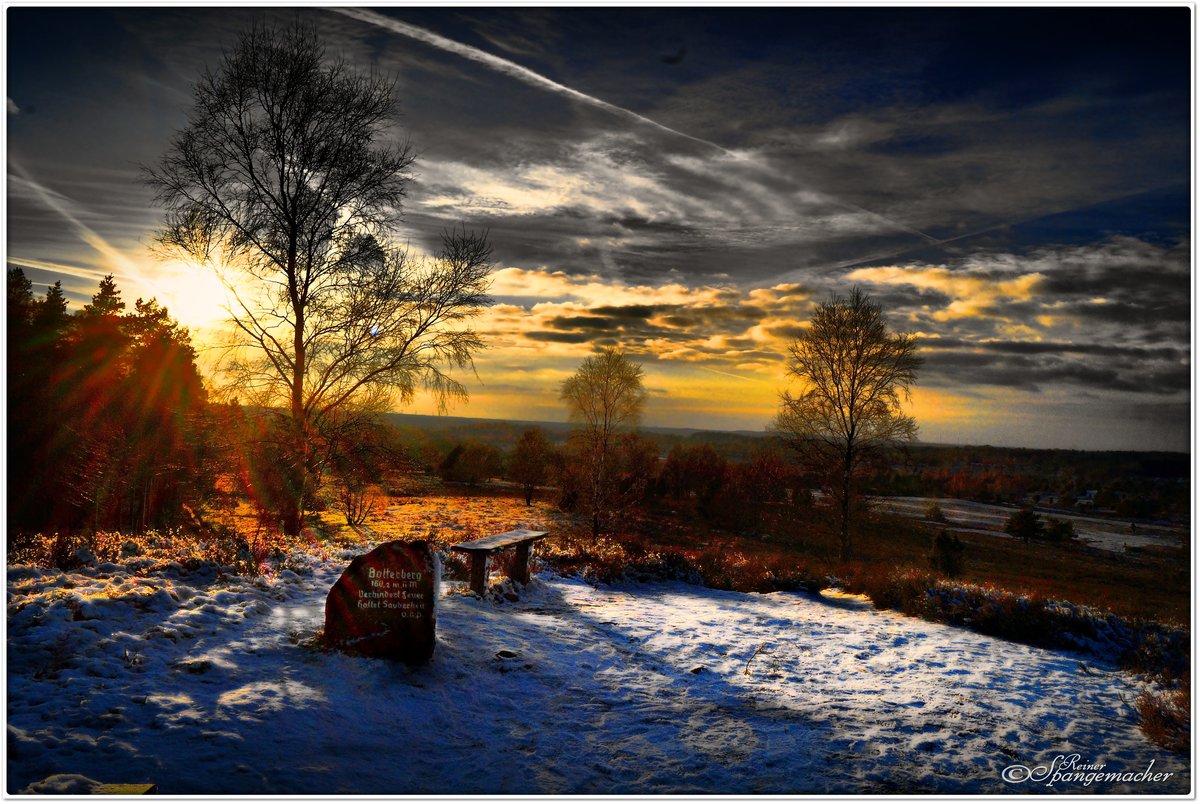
column 1165, row 717
column 1024, row 525
column 471, row 462
column 904, row 590
column 947, row 555
column 1059, row 530
column 933, row 513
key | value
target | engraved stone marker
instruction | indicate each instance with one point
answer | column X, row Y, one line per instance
column 383, row 605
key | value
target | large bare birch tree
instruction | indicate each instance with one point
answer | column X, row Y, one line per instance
column 288, row 178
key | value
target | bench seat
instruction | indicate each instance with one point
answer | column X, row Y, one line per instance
column 480, row 549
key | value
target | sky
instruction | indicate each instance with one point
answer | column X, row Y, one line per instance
column 1012, row 185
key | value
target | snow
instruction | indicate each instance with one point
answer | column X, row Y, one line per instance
column 206, row 683
column 968, row 516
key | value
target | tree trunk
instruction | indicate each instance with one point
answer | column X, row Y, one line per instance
column 293, row 517
column 846, row 469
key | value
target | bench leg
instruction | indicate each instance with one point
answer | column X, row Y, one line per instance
column 521, row 563
column 478, row 573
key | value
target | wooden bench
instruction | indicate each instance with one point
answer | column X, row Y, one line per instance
column 480, row 549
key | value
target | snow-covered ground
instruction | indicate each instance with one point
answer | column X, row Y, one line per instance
column 975, row 517
column 205, row 685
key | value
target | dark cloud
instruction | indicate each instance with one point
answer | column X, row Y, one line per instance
column 1056, row 348
column 634, row 312
column 1035, row 370
column 558, row 337
column 584, row 322
column 786, row 332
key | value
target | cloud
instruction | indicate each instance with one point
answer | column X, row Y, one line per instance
column 12, row 106
column 1108, row 317
column 61, row 205
column 509, row 68
column 971, row 292
column 718, row 327
column 990, row 320
column 667, row 210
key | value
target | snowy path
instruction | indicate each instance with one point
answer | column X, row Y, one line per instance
column 212, row 694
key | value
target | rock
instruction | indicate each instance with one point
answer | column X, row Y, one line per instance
column 698, row 669
column 383, row 606
column 505, row 653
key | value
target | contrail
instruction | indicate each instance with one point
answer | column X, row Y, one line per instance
column 514, row 70
column 890, row 253
column 511, row 69
column 85, row 232
column 724, row 373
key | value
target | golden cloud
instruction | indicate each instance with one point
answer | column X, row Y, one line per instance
column 972, row 293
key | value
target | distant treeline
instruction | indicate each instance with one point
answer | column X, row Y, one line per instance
column 1130, row 484
column 434, row 435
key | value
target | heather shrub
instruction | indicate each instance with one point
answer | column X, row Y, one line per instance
column 245, row 553
column 55, row 550
column 905, row 590
column 1165, row 717
column 1059, row 530
column 455, row 566
column 1024, row 525
column 1156, row 649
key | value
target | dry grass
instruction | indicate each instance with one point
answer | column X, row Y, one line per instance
column 1166, row 716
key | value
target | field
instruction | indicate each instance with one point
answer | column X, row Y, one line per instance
column 1150, row 582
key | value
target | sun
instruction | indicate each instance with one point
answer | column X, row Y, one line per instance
column 192, row 293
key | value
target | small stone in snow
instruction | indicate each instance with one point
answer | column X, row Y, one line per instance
column 89, row 610
column 697, row 669
column 63, row 784
column 196, row 666
column 506, row 654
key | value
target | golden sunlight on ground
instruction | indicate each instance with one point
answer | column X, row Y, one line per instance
column 450, row 517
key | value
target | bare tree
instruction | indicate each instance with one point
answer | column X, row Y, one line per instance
column 855, row 373
column 606, row 397
column 530, row 462
column 284, row 178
